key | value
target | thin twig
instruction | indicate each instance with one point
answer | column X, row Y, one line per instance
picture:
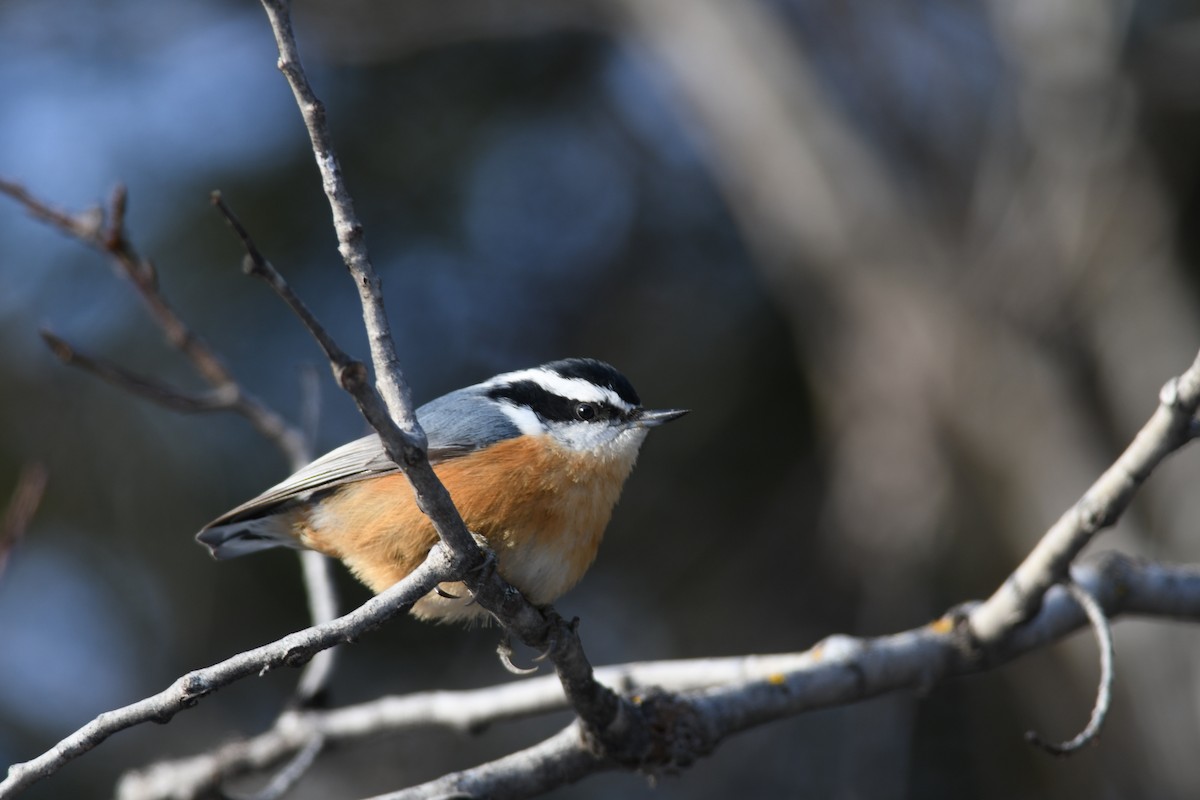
column 255, row 264
column 110, row 238
column 390, row 411
column 1167, row 430
column 615, row 722
column 222, row 399
column 292, row 650
column 322, row 607
column 1100, row 624
column 318, row 570
column 22, row 505
column 351, row 240
column 105, row 232
column 85, row 227
column 290, row 775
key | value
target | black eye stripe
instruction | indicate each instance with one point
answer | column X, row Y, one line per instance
column 547, row 405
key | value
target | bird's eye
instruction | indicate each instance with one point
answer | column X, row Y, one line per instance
column 585, row 411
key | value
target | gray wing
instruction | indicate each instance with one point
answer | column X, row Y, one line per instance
column 456, row 424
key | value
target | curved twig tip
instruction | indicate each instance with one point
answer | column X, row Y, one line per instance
column 1100, row 625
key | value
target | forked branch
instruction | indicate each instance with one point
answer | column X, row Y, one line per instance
column 1172, row 426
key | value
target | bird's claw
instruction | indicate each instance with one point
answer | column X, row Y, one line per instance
column 552, row 645
column 488, row 563
column 485, row 567
column 505, row 652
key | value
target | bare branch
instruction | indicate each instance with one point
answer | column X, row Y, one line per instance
column 346, row 370
column 85, row 227
column 1025, row 613
column 318, row 574
column 391, row 411
column 1167, row 430
column 837, row 671
column 615, row 721
column 226, row 395
column 322, row 607
column 351, row 241
column 562, row 759
column 91, row 229
column 111, row 239
column 290, row 775
column 1104, row 638
column 745, row 687
column 26, row 497
column 142, row 386
column 292, row 650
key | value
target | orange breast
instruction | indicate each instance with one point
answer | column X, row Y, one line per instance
column 542, row 508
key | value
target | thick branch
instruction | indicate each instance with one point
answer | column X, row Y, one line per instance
column 1169, row 428
column 838, row 671
column 743, row 688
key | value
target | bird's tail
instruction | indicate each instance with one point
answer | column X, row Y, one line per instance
column 233, row 539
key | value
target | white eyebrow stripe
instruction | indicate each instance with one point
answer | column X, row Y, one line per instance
column 523, row 417
column 572, row 388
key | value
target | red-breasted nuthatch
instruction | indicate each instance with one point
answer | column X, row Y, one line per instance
column 534, row 460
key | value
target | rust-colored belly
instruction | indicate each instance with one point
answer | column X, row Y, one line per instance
column 542, row 508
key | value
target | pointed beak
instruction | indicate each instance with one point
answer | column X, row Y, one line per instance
column 651, row 419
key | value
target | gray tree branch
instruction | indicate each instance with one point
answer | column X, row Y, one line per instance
column 737, row 692
column 837, row 671
column 949, row 646
column 1171, row 426
column 608, row 716
column 1102, row 627
column 390, row 412
column 1024, row 614
column 292, row 650
column 105, row 231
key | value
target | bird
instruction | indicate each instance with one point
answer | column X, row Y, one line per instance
column 534, row 460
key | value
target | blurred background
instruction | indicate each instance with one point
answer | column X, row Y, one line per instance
column 919, row 268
